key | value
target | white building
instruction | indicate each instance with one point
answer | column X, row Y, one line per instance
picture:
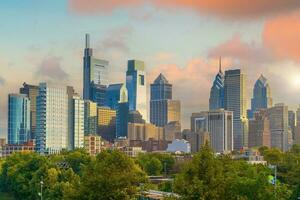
column 77, row 136
column 179, row 146
column 52, row 119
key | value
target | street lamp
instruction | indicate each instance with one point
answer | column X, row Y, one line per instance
column 41, row 192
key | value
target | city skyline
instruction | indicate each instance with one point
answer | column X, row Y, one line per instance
column 185, row 53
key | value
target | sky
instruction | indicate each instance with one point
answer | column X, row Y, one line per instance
column 183, row 39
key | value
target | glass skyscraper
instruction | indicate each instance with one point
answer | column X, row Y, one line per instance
column 114, row 93
column 94, row 75
column 162, row 108
column 235, row 101
column 52, row 131
column 32, row 92
column 18, row 118
column 261, row 96
column 136, row 87
column 216, row 99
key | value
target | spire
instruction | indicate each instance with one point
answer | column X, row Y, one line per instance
column 87, row 40
column 220, row 64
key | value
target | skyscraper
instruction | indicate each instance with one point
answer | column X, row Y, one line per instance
column 114, row 93
column 216, row 99
column 94, row 75
column 136, row 86
column 259, row 130
column 162, row 108
column 261, row 96
column 235, row 100
column 292, row 123
column 52, row 119
column 107, row 123
column 77, row 139
column 90, row 118
column 297, row 129
column 219, row 125
column 278, row 116
column 32, row 92
column 122, row 114
column 18, row 118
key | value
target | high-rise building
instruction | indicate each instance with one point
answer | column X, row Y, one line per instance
column 235, row 101
column 122, row 119
column 107, row 123
column 116, row 93
column 90, row 118
column 32, row 92
column 259, row 130
column 144, row 131
column 196, row 139
column 77, row 138
column 297, row 129
column 172, row 131
column 136, row 87
column 18, row 119
column 278, row 116
column 292, row 123
column 52, row 119
column 219, row 125
column 94, row 75
column 162, row 108
column 261, row 96
column 216, row 99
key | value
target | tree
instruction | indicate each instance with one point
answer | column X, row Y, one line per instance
column 153, row 167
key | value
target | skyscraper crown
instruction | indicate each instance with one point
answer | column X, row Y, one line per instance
column 161, row 79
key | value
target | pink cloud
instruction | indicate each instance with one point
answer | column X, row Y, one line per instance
column 228, row 8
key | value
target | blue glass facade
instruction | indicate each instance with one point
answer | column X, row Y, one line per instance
column 216, row 99
column 98, row 94
column 122, row 119
column 18, row 118
column 116, row 93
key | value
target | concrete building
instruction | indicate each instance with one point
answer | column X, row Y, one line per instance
column 216, row 98
column 259, row 130
column 32, row 92
column 26, row 147
column 144, row 131
column 94, row 75
column 162, row 108
column 278, row 116
column 52, row 130
column 235, row 100
column 196, row 139
column 77, row 137
column 136, row 87
column 177, row 145
column 292, row 122
column 92, row 144
column 107, row 123
column 219, row 125
column 18, row 119
column 297, row 130
column 172, row 131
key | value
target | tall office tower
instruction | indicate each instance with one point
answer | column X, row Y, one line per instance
column 32, row 92
column 107, row 123
column 94, row 75
column 259, row 130
column 261, row 96
column 77, row 138
column 18, row 119
column 70, row 93
column 90, row 118
column 219, row 124
column 52, row 119
column 162, row 108
column 196, row 139
column 122, row 114
column 292, row 123
column 278, row 116
column 297, row 129
column 136, row 87
column 216, row 99
column 235, row 100
column 114, row 94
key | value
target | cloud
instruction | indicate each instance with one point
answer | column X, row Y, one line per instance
column 281, row 35
column 2, row 81
column 51, row 70
column 228, row 8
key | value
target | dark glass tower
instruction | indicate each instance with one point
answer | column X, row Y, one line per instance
column 94, row 75
column 216, row 99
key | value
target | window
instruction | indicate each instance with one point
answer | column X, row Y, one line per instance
column 142, row 79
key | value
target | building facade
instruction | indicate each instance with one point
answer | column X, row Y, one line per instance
column 77, row 137
column 162, row 108
column 52, row 134
column 18, row 118
column 261, row 96
column 32, row 92
column 259, row 130
column 94, row 75
column 107, row 123
column 235, row 100
column 92, row 144
column 136, row 87
column 216, row 98
column 90, row 118
column 116, row 93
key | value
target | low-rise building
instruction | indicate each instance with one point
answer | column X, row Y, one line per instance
column 92, row 144
column 177, row 145
column 26, row 147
